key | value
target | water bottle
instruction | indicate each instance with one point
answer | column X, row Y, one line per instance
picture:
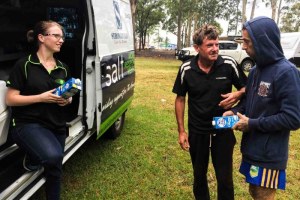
column 225, row 122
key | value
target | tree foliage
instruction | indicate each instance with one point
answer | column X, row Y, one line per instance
column 184, row 16
column 233, row 15
column 290, row 19
column 149, row 14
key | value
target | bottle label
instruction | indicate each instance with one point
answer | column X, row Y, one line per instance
column 225, row 122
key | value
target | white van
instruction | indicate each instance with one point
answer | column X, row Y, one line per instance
column 290, row 43
column 98, row 49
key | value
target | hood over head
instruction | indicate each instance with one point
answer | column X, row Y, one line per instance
column 265, row 36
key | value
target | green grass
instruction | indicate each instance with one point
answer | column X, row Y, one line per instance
column 146, row 162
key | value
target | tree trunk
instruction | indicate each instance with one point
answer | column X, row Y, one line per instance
column 133, row 4
column 185, row 34
column 144, row 40
column 237, row 19
column 189, row 30
column 244, row 18
column 179, row 22
column 279, row 12
column 273, row 6
column 140, row 41
column 253, row 9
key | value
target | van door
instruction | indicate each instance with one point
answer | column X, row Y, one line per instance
column 115, row 72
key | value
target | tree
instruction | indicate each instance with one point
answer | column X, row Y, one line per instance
column 188, row 15
column 253, row 9
column 179, row 22
column 177, row 11
column 133, row 4
column 233, row 16
column 280, row 8
column 290, row 19
column 149, row 14
column 244, row 18
column 276, row 9
column 278, row 12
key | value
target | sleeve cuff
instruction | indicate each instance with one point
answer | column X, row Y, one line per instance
column 253, row 123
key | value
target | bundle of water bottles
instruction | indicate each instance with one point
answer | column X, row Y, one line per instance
column 69, row 88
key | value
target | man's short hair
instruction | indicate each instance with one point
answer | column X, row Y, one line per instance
column 206, row 31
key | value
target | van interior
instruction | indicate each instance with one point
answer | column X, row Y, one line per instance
column 18, row 17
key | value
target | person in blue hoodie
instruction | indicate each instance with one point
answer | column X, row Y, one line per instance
column 270, row 108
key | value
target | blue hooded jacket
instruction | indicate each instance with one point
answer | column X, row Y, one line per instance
column 272, row 100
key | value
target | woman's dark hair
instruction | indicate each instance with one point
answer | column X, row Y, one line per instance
column 207, row 31
column 40, row 28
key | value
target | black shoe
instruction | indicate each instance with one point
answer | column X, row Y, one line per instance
column 29, row 166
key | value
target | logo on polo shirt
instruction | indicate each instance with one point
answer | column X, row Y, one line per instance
column 221, row 78
column 59, row 81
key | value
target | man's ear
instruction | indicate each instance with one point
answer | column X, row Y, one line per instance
column 196, row 47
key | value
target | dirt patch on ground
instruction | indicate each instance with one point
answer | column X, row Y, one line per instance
column 156, row 53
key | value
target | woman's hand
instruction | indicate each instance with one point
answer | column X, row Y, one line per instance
column 49, row 97
column 64, row 102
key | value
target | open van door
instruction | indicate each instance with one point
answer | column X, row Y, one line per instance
column 114, row 64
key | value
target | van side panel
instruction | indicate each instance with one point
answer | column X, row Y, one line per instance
column 114, row 30
column 115, row 49
column 117, row 82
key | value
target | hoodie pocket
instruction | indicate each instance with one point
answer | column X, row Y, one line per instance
column 276, row 147
column 266, row 147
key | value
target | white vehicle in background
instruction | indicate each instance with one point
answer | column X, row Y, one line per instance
column 226, row 47
column 290, row 43
column 234, row 49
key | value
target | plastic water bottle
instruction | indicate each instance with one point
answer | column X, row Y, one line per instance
column 225, row 122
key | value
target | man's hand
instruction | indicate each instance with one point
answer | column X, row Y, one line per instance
column 183, row 141
column 228, row 113
column 231, row 98
column 242, row 124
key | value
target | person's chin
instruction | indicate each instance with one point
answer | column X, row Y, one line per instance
column 213, row 58
column 57, row 50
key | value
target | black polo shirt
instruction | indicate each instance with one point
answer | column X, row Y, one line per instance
column 204, row 90
column 30, row 77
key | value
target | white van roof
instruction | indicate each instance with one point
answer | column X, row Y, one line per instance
column 290, row 43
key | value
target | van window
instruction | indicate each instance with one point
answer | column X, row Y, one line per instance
column 232, row 46
column 227, row 46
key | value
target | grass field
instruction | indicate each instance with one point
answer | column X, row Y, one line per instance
column 146, row 162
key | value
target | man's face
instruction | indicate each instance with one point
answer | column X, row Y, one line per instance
column 247, row 44
column 208, row 50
